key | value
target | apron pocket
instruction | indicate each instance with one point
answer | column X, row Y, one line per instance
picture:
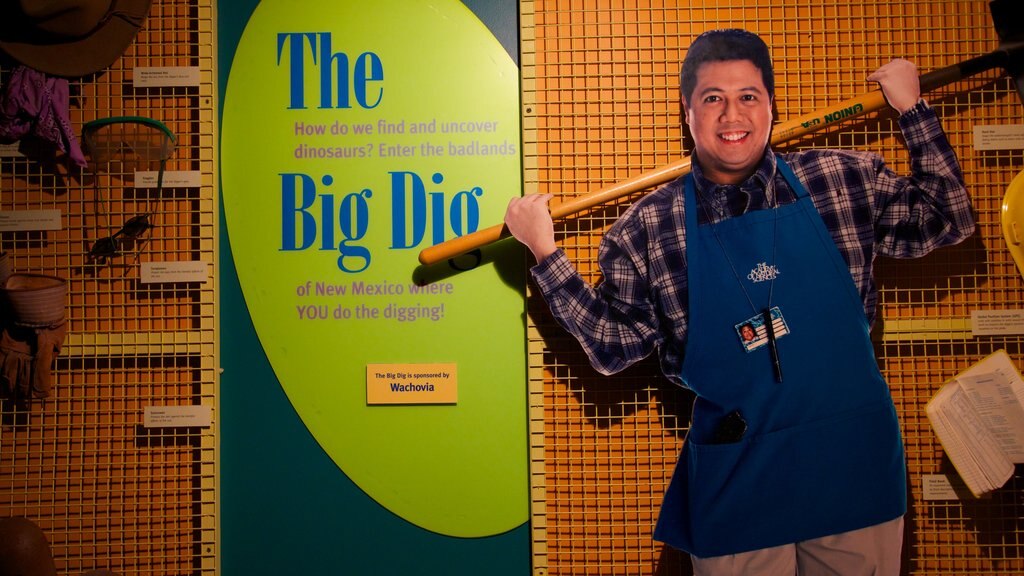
column 829, row 476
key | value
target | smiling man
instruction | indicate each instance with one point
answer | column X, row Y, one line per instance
column 729, row 112
column 793, row 463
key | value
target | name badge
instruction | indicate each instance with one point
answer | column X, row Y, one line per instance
column 753, row 333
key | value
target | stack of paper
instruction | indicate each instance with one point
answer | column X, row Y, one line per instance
column 979, row 419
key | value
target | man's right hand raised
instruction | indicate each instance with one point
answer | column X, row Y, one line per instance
column 528, row 219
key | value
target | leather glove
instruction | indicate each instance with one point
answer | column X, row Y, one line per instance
column 15, row 366
column 48, row 343
column 26, row 357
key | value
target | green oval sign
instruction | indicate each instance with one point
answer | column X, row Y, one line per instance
column 354, row 135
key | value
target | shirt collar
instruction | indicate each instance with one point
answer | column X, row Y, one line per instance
column 727, row 200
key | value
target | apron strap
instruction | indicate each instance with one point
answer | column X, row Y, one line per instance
column 798, row 188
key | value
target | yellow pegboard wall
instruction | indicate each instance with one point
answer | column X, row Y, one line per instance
column 108, row 491
column 601, row 104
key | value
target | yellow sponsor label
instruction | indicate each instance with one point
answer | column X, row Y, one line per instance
column 412, row 384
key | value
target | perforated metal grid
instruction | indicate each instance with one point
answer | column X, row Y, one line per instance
column 600, row 104
column 108, row 491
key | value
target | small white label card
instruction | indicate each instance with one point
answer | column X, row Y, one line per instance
column 164, row 76
column 172, row 179
column 170, row 272
column 11, row 150
column 940, row 487
column 997, row 322
column 177, row 417
column 999, row 137
column 28, row 220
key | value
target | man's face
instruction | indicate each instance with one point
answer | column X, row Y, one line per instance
column 730, row 119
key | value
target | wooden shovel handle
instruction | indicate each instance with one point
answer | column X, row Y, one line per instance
column 783, row 132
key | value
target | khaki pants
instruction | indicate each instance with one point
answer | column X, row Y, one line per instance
column 871, row 551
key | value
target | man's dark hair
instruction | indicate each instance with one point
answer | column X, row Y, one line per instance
column 724, row 45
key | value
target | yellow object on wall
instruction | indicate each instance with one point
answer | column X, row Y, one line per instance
column 1013, row 219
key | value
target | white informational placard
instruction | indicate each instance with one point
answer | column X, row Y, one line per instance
column 164, row 76
column 938, row 487
column 172, row 179
column 12, row 150
column 177, row 417
column 29, row 220
column 997, row 322
column 171, row 272
column 999, row 137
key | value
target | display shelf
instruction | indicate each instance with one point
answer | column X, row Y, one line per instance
column 109, row 492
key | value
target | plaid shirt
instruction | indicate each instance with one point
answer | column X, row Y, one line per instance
column 640, row 305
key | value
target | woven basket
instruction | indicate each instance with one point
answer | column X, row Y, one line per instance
column 36, row 299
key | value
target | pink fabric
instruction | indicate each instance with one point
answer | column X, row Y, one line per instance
column 36, row 103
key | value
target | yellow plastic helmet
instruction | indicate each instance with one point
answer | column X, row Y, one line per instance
column 1013, row 219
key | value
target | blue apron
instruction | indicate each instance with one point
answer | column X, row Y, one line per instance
column 822, row 451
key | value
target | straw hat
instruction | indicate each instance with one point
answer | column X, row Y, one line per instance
column 69, row 38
